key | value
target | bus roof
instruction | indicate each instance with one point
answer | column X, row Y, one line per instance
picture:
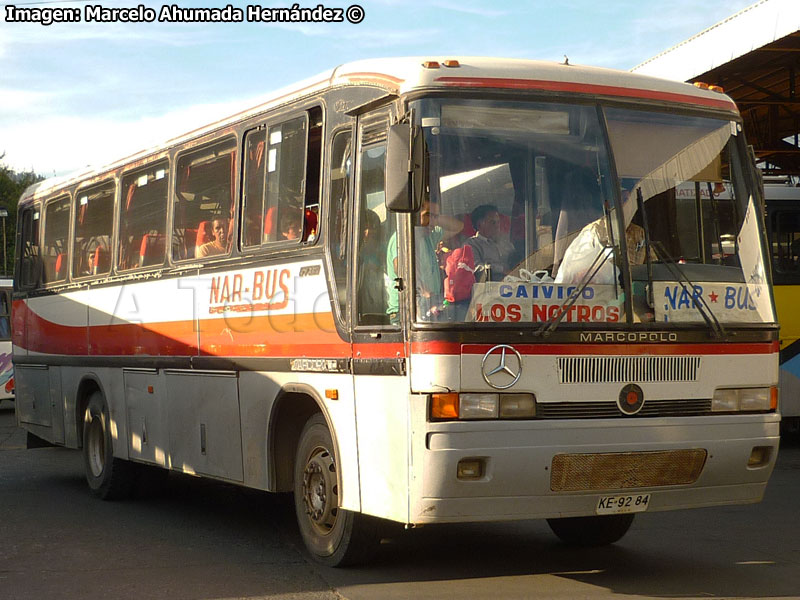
column 778, row 191
column 399, row 76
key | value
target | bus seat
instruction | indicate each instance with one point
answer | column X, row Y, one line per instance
column 270, row 226
column 151, row 250
column 61, row 263
column 468, row 230
column 100, row 260
column 186, row 242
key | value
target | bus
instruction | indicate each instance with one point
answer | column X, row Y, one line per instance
column 783, row 225
column 416, row 291
column 6, row 366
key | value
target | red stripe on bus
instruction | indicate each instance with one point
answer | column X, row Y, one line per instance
column 633, row 349
column 454, row 348
column 379, row 350
column 584, row 88
column 308, row 335
column 262, row 336
column 370, row 77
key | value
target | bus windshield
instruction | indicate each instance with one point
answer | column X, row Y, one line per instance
column 529, row 219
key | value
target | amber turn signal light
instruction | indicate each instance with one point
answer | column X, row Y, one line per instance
column 444, row 406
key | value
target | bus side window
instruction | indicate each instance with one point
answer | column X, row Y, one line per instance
column 5, row 315
column 30, row 264
column 56, row 232
column 143, row 217
column 375, row 302
column 253, row 209
column 281, row 181
column 94, row 221
column 338, row 226
column 313, row 166
column 204, row 191
column 285, row 178
column 786, row 241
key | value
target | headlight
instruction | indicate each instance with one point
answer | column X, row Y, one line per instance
column 479, row 406
column 517, row 406
column 745, row 399
column 482, row 405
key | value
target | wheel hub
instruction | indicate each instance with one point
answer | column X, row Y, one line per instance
column 320, row 491
column 96, row 450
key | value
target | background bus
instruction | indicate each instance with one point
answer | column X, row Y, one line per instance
column 783, row 221
column 270, row 300
column 6, row 366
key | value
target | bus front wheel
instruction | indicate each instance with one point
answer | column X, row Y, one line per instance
column 109, row 478
column 591, row 531
column 334, row 536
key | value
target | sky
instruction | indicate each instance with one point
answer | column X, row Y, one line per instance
column 74, row 94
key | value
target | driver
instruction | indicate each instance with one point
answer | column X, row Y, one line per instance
column 490, row 247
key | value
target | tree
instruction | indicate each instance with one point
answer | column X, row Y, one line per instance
column 12, row 184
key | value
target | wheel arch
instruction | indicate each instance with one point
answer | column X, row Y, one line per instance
column 88, row 385
column 294, row 405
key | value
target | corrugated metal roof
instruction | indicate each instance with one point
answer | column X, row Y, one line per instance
column 751, row 28
column 754, row 56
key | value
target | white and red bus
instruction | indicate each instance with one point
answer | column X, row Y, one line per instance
column 417, row 291
column 6, row 366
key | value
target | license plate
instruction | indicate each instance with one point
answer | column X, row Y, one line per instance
column 612, row 505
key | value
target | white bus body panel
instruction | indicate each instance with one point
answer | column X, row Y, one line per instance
column 519, row 457
column 382, row 411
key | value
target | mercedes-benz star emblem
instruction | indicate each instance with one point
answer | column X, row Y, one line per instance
column 501, row 367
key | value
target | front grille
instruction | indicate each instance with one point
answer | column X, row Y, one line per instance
column 628, row 369
column 609, row 410
column 623, row 470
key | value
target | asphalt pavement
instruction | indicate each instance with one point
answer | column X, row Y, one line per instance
column 198, row 539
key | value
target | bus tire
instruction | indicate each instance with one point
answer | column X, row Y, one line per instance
column 109, row 478
column 335, row 537
column 591, row 531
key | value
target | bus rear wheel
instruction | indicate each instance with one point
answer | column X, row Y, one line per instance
column 109, row 478
column 334, row 536
column 591, row 531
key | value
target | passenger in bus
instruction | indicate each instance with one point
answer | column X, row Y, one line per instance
column 371, row 292
column 94, row 263
column 291, row 226
column 219, row 245
column 432, row 228
column 87, row 262
column 491, row 247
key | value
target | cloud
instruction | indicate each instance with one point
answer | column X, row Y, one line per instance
column 356, row 38
column 61, row 144
column 479, row 10
column 16, row 38
column 679, row 20
column 19, row 100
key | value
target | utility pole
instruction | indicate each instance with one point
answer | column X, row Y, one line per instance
column 3, row 215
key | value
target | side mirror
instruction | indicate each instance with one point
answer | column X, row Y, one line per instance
column 404, row 161
column 398, row 168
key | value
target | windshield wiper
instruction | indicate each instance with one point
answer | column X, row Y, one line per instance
column 688, row 287
column 598, row 262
